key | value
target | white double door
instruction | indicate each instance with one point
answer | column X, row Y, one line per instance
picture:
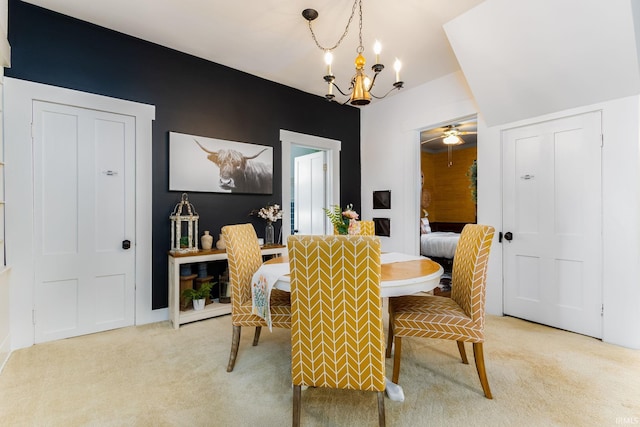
column 84, row 214
column 553, row 209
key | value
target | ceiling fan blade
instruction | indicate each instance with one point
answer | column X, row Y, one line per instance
column 432, row 139
column 467, row 133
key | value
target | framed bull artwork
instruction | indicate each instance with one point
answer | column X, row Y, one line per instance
column 198, row 163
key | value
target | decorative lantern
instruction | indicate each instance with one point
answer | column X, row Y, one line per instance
column 184, row 227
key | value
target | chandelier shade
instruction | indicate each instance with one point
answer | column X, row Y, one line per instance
column 359, row 92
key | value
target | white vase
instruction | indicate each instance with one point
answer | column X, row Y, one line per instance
column 198, row 304
column 220, row 244
column 206, row 240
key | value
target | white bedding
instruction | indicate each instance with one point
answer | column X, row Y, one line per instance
column 439, row 244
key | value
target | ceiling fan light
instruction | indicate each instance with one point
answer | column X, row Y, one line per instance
column 452, row 140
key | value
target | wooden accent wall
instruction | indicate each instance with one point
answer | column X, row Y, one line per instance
column 449, row 186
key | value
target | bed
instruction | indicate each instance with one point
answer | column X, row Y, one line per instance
column 439, row 244
column 439, row 239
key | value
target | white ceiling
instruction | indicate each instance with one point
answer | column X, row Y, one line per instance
column 271, row 39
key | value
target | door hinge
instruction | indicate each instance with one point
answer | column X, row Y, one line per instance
column 601, row 140
column 324, row 167
column 602, row 310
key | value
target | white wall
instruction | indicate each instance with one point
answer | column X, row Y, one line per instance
column 390, row 146
column 390, row 160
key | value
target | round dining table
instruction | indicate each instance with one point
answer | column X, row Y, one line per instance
column 401, row 274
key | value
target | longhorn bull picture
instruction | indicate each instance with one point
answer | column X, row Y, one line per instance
column 240, row 173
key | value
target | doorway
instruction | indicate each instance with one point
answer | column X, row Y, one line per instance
column 552, row 210
column 19, row 97
column 447, row 195
column 331, row 153
column 84, row 189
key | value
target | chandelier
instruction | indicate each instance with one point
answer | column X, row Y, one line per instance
column 359, row 92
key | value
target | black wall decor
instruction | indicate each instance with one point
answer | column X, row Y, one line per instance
column 382, row 199
column 192, row 96
column 382, row 226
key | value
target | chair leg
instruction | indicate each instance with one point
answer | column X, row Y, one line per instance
column 296, row 405
column 256, row 336
column 381, row 418
column 235, row 342
column 390, row 334
column 396, row 359
column 478, row 355
column 463, row 353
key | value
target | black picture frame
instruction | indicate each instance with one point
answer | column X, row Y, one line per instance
column 382, row 226
column 197, row 162
column 382, row 199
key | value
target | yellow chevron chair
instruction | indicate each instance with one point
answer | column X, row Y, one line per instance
column 244, row 258
column 337, row 337
column 459, row 318
column 367, row 228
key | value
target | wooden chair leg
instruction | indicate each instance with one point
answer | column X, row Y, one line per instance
column 256, row 336
column 463, row 353
column 390, row 334
column 396, row 359
column 296, row 405
column 478, row 355
column 235, row 342
column 381, row 418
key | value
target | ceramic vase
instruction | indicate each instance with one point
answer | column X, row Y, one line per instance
column 220, row 243
column 206, row 240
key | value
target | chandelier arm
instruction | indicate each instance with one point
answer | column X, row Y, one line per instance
column 340, row 90
column 346, row 29
column 385, row 95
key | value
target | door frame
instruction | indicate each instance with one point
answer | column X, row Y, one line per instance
column 331, row 146
column 18, row 100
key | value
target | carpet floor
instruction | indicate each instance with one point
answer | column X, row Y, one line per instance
column 153, row 375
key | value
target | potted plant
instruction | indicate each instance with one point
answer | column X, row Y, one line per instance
column 199, row 295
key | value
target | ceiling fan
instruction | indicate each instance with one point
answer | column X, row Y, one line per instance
column 450, row 136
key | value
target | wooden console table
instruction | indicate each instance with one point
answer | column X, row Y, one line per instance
column 177, row 316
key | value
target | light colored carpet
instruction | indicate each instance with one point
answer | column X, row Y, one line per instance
column 154, row 375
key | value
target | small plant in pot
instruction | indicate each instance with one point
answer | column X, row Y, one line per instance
column 199, row 295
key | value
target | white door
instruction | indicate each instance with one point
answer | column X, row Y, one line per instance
column 84, row 211
column 309, row 193
column 553, row 208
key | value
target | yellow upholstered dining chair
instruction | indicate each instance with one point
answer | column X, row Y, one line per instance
column 244, row 257
column 367, row 228
column 459, row 318
column 337, row 337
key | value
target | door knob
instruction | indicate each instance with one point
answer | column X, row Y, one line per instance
column 508, row 236
column 126, row 244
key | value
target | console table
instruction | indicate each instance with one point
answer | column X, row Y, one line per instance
column 177, row 316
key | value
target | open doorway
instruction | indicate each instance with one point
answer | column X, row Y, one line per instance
column 320, row 186
column 448, row 166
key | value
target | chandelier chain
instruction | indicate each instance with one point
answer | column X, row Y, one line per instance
column 346, row 29
column 360, row 48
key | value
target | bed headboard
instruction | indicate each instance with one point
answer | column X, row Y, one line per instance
column 455, row 227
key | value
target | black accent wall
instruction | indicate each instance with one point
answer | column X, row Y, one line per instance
column 191, row 96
